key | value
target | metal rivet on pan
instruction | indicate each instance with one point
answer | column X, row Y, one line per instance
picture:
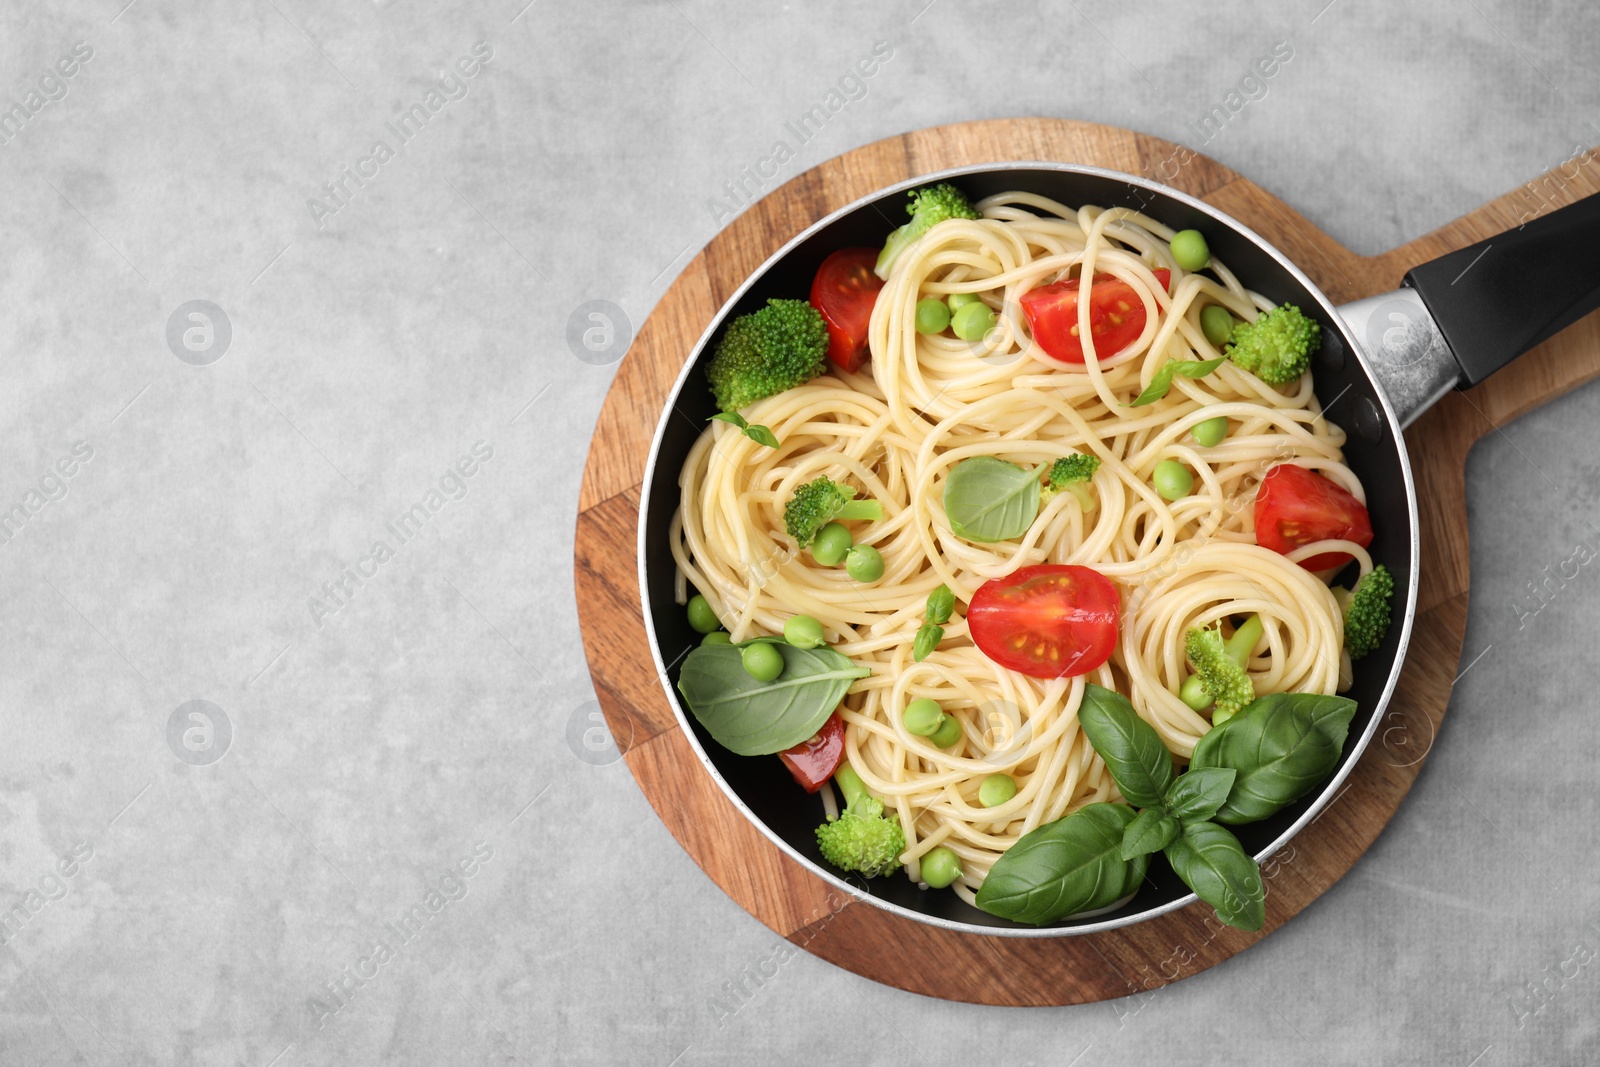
column 1330, row 354
column 1369, row 420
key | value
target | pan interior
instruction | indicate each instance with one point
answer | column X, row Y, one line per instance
column 760, row 784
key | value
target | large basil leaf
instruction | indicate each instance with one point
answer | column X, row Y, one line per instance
column 1151, row 831
column 988, row 499
column 1161, row 384
column 1064, row 867
column 1211, row 862
column 1283, row 745
column 1200, row 792
column 1133, row 752
column 755, row 718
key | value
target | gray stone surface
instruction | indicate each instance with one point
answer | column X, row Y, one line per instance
column 379, row 339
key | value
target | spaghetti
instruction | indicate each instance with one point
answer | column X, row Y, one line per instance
column 931, row 401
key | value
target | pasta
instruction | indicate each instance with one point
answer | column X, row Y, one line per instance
column 928, row 402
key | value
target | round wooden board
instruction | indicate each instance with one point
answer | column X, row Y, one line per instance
column 1012, row 971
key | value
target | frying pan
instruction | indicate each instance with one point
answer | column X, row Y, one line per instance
column 1382, row 362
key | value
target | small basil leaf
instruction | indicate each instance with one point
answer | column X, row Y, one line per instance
column 1200, row 792
column 1161, row 384
column 761, row 436
column 1064, row 867
column 1132, row 750
column 1283, row 745
column 753, row 718
column 729, row 416
column 987, row 499
column 1211, row 862
column 928, row 638
column 1151, row 831
column 941, row 602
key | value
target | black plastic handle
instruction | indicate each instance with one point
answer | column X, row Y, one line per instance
column 1498, row 298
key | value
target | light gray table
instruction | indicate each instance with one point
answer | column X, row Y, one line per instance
column 403, row 760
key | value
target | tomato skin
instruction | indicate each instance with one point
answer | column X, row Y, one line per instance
column 1050, row 620
column 1296, row 506
column 844, row 291
column 1116, row 316
column 814, row 761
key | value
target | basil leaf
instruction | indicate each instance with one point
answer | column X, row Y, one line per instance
column 754, row 718
column 928, row 637
column 1064, row 867
column 1161, row 384
column 1151, row 831
column 1200, row 792
column 1211, row 862
column 987, row 499
column 1133, row 752
column 761, row 435
column 1283, row 745
column 941, row 602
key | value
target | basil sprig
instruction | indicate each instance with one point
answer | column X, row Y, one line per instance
column 941, row 602
column 1281, row 745
column 761, row 435
column 1064, row 867
column 1161, row 384
column 754, row 718
column 1271, row 754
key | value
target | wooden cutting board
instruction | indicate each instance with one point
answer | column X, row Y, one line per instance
column 1012, row 971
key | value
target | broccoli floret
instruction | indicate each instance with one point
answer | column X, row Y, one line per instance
column 861, row 838
column 1277, row 346
column 818, row 503
column 1367, row 610
column 1071, row 474
column 928, row 208
column 765, row 352
column 1220, row 677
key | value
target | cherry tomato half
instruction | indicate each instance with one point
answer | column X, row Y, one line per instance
column 1296, row 506
column 1116, row 316
column 1050, row 620
column 844, row 290
column 813, row 762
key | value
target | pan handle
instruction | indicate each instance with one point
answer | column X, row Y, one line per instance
column 1495, row 300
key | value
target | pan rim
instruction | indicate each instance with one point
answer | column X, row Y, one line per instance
column 1329, row 791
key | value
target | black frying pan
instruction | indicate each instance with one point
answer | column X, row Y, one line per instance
column 1382, row 362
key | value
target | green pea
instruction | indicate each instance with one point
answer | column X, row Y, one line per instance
column 717, row 637
column 762, row 661
column 864, row 563
column 1172, row 479
column 1217, row 323
column 802, row 631
column 1193, row 693
column 972, row 321
column 924, row 717
column 1189, row 250
column 933, row 315
column 948, row 733
column 940, row 867
column 996, row 790
column 701, row 618
column 831, row 544
column 1209, row 434
column 960, row 300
